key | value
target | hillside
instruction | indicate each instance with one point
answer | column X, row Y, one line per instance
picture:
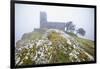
column 52, row 46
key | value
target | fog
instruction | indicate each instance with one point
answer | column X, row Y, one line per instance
column 27, row 17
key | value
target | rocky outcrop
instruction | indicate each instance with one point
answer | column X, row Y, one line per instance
column 54, row 46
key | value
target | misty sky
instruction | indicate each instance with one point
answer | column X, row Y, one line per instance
column 27, row 17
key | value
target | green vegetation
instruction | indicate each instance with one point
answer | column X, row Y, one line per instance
column 58, row 43
column 56, row 38
column 71, row 34
column 87, row 45
column 32, row 36
column 26, row 56
column 54, row 49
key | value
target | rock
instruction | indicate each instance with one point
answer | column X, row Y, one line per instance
column 68, row 41
column 26, row 57
column 18, row 59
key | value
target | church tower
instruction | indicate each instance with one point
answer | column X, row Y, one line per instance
column 43, row 19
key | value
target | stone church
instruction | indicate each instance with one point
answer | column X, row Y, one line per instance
column 50, row 25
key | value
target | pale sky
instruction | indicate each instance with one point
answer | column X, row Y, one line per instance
column 27, row 17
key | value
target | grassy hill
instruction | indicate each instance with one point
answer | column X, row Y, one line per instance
column 53, row 46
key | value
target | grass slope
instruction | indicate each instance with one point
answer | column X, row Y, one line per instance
column 87, row 45
column 57, row 52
